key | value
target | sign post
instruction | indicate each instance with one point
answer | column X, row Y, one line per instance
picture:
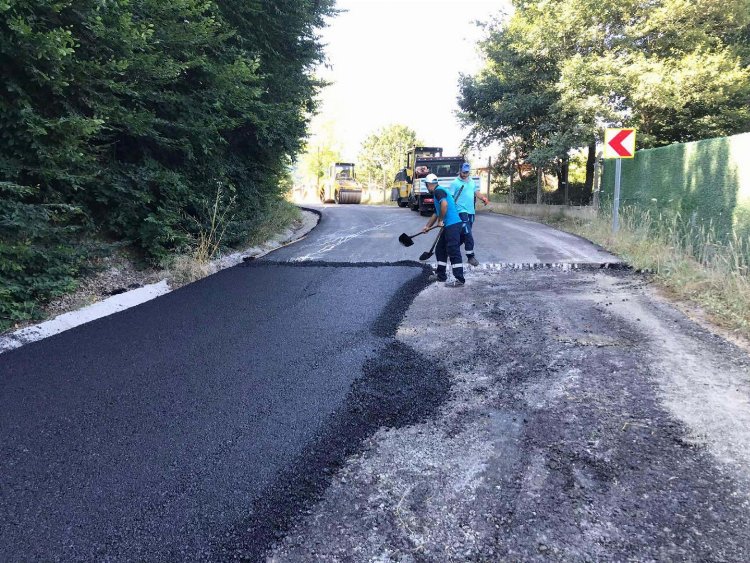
column 618, row 144
column 616, row 202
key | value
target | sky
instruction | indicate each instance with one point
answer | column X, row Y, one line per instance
column 399, row 62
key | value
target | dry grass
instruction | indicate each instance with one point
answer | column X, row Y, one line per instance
column 278, row 216
column 691, row 264
column 187, row 268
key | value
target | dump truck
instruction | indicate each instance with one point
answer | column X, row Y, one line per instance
column 341, row 185
column 409, row 189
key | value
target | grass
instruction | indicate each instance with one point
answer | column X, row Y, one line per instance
column 690, row 263
column 187, row 268
column 278, row 216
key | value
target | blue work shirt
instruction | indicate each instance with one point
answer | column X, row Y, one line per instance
column 465, row 202
column 451, row 214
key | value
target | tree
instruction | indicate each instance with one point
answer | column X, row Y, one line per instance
column 559, row 71
column 321, row 151
column 118, row 119
column 382, row 153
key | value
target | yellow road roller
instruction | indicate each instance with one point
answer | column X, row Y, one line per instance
column 341, row 186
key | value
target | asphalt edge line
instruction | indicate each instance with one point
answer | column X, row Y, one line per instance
column 122, row 301
column 372, row 400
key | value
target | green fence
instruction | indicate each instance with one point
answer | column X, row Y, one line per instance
column 706, row 182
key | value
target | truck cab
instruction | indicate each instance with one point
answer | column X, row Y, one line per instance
column 445, row 168
column 404, row 180
column 409, row 189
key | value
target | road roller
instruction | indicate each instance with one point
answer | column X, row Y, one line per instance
column 341, row 186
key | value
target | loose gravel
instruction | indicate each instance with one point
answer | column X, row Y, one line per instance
column 565, row 438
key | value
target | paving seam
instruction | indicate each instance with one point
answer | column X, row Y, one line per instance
column 399, row 387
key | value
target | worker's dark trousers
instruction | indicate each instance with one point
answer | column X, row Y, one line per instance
column 449, row 246
column 467, row 238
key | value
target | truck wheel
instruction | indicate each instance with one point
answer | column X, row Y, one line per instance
column 402, row 203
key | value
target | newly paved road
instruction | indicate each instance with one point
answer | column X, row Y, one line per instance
column 361, row 233
column 193, row 427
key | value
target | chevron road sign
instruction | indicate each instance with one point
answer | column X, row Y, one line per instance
column 619, row 143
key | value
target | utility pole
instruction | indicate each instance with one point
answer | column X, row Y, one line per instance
column 510, row 182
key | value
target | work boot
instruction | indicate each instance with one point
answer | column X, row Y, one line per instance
column 437, row 277
column 455, row 283
column 473, row 261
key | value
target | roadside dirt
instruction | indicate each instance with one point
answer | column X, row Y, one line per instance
column 586, row 421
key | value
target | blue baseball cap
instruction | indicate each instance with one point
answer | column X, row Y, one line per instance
column 466, row 167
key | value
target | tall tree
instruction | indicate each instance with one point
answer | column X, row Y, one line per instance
column 558, row 71
column 121, row 118
column 382, row 153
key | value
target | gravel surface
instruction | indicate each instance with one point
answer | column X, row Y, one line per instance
column 586, row 422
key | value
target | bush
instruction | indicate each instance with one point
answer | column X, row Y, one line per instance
column 39, row 257
column 118, row 119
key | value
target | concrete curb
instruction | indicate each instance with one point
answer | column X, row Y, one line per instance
column 135, row 297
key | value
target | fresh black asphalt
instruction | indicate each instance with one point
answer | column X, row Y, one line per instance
column 196, row 426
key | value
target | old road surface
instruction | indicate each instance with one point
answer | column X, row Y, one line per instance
column 327, row 403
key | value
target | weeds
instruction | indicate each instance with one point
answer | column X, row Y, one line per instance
column 211, row 231
column 187, row 268
column 278, row 215
column 691, row 262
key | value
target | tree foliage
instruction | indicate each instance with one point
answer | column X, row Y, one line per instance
column 321, row 151
column 127, row 115
column 382, row 153
column 559, row 71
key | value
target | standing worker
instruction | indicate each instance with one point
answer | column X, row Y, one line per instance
column 449, row 242
column 466, row 211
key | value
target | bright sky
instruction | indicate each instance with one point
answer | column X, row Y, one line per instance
column 398, row 62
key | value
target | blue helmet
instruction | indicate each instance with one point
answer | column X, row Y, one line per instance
column 466, row 167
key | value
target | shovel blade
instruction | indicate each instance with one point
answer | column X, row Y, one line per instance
column 425, row 256
column 405, row 240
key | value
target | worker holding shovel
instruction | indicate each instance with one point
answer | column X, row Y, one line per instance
column 449, row 241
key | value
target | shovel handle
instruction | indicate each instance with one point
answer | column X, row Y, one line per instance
column 423, row 232
column 437, row 238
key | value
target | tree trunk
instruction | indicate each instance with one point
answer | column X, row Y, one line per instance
column 538, row 185
column 565, row 173
column 597, row 175
column 590, row 161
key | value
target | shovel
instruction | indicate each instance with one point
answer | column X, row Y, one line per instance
column 407, row 241
column 426, row 255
